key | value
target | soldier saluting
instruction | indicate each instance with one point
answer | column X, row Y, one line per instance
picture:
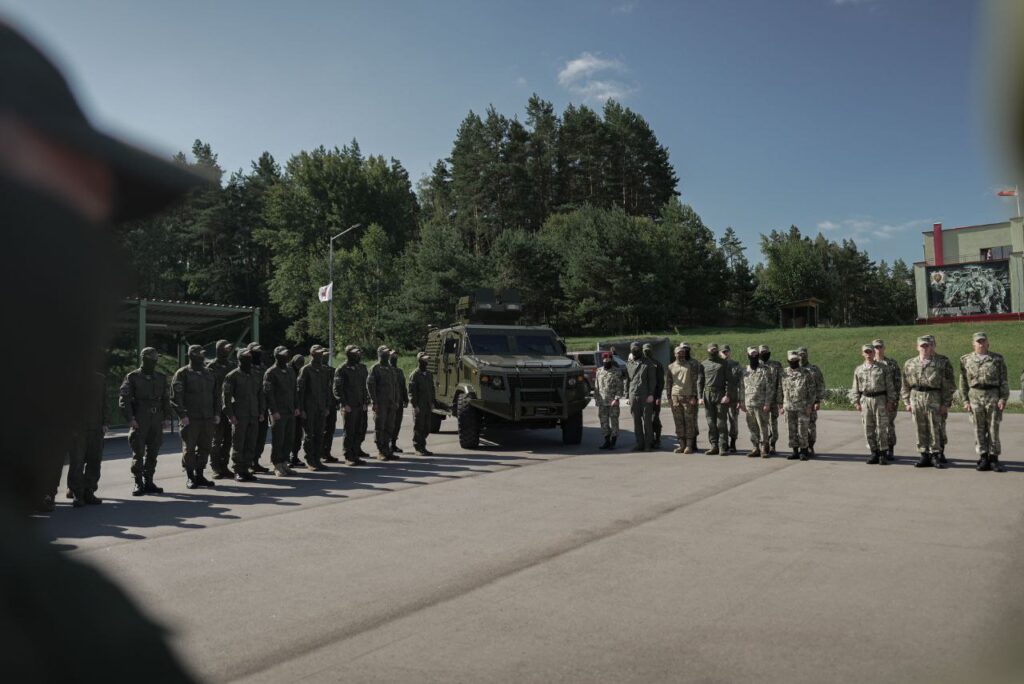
column 985, row 387
column 146, row 405
column 927, row 393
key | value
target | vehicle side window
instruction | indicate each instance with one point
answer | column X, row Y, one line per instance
column 451, row 345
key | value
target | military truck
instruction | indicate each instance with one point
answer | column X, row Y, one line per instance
column 490, row 371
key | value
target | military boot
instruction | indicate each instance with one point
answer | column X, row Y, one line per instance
column 201, row 480
column 316, row 466
column 223, row 473
column 810, row 450
column 257, row 468
column 329, row 459
column 754, row 453
column 941, row 457
column 805, row 454
column 713, row 451
column 150, row 487
column 765, row 451
column 983, row 463
column 281, row 469
column 607, row 444
column 396, row 449
column 138, row 489
column 876, row 458
column 190, row 479
column 47, row 505
column 732, row 445
column 925, row 461
column 615, row 438
column 91, row 499
column 793, row 456
column 244, row 476
column 889, row 455
column 996, row 465
column 295, row 462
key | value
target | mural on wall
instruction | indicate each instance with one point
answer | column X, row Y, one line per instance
column 969, row 289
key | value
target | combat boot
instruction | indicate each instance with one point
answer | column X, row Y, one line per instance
column 765, row 451
column 138, row 489
column 925, row 461
column 201, row 480
column 223, row 473
column 150, row 487
column 329, row 459
column 805, row 454
column 91, row 499
column 294, row 462
column 891, row 458
column 876, row 458
column 78, row 502
column 941, row 457
column 244, row 476
column 996, row 465
column 316, row 466
column 615, row 438
column 754, row 453
column 713, row 451
column 190, row 479
column 281, row 469
column 732, row 445
column 810, row 450
column 257, row 468
column 793, row 456
column 396, row 449
column 607, row 444
column 47, row 505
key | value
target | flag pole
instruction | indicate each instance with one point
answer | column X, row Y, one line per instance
column 1016, row 194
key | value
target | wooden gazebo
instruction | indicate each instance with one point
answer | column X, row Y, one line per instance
column 802, row 313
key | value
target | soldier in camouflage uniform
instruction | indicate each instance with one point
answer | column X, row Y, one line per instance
column 403, row 396
column 641, row 387
column 756, row 385
column 383, row 392
column 732, row 411
column 897, row 379
column 220, row 452
column 422, row 398
column 764, row 355
column 873, row 392
column 350, row 394
column 194, row 398
column 819, row 396
column 927, row 393
column 941, row 457
column 608, row 390
column 713, row 385
column 145, row 401
column 799, row 392
column 683, row 378
column 245, row 407
column 985, row 389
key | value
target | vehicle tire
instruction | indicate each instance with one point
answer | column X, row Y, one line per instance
column 469, row 424
column 572, row 429
column 435, row 423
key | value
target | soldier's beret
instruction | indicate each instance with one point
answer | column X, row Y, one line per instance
column 867, row 347
column 149, row 353
column 980, row 336
column 726, row 347
column 751, row 350
column 351, row 348
column 877, row 343
column 763, row 348
column 792, row 354
column 194, row 349
column 280, row 350
column 425, row 355
column 713, row 347
column 923, row 339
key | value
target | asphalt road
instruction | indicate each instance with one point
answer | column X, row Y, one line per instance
column 527, row 561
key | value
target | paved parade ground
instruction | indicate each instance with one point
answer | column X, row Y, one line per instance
column 527, row 561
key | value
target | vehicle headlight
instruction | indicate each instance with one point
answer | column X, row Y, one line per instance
column 498, row 382
column 571, row 382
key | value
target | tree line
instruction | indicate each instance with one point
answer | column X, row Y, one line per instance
column 579, row 211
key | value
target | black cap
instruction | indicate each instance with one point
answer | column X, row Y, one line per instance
column 32, row 89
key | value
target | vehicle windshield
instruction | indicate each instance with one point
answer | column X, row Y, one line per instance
column 532, row 344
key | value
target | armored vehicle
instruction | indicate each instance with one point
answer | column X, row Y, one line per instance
column 489, row 371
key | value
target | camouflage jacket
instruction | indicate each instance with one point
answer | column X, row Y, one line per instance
column 984, row 372
column 776, row 370
column 936, row 374
column 799, row 389
column 350, row 385
column 194, row 393
column 242, row 394
column 608, row 386
column 142, row 393
column 873, row 379
column 421, row 389
column 897, row 373
column 758, row 387
column 819, row 382
column 682, row 378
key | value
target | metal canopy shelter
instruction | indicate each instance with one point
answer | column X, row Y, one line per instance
column 187, row 322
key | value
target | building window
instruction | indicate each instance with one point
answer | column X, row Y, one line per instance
column 995, row 253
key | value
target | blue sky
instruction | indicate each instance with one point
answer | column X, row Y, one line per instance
column 861, row 118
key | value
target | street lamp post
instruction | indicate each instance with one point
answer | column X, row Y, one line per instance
column 330, row 304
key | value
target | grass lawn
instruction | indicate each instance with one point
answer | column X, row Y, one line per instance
column 837, row 350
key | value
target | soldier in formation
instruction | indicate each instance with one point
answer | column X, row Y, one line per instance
column 985, row 388
column 799, row 394
column 819, row 396
column 220, row 452
column 313, row 387
column 244, row 405
column 948, row 365
column 659, row 389
column 897, row 377
column 86, row 452
column 422, row 398
column 732, row 410
column 682, row 382
column 296, row 364
column 642, row 385
column 608, row 391
column 874, row 393
column 755, row 397
column 764, row 355
column 385, row 400
column 280, row 391
column 145, row 401
column 259, row 367
column 714, row 385
column 195, row 401
column 351, row 395
column 927, row 393
column 403, row 397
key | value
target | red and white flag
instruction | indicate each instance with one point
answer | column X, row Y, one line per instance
column 1006, row 193
column 326, row 293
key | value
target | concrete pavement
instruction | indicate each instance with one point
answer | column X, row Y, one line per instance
column 529, row 561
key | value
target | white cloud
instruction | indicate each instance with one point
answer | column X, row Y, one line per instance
column 866, row 230
column 588, row 77
column 828, row 225
column 520, row 81
column 626, row 7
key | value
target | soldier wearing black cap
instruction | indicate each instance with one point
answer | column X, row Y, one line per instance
column 732, row 387
column 245, row 407
column 220, row 453
column 350, row 394
column 194, row 398
column 383, row 392
column 314, row 405
column 659, row 389
column 297, row 362
column 641, row 387
column 146, row 405
column 259, row 367
column 422, row 398
column 62, row 183
column 403, row 397
column 279, row 394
